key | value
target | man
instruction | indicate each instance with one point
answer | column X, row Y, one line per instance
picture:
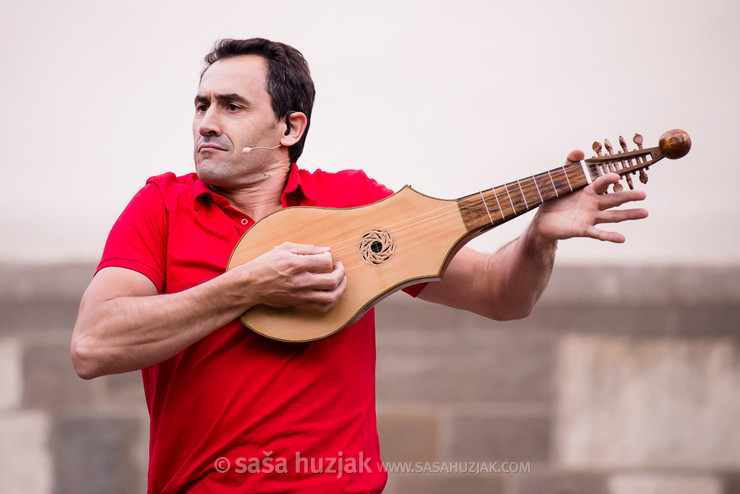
column 231, row 410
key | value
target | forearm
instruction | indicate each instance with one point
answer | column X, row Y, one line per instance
column 125, row 325
column 126, row 333
column 518, row 274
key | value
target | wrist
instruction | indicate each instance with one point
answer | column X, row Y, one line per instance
column 535, row 242
column 240, row 282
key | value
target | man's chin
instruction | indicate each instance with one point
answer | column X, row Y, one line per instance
column 213, row 175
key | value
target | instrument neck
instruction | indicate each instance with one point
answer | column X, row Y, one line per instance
column 489, row 208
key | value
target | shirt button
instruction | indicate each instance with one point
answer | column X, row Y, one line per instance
column 245, row 221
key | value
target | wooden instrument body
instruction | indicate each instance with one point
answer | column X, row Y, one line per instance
column 423, row 233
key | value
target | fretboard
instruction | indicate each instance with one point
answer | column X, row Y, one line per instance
column 489, row 208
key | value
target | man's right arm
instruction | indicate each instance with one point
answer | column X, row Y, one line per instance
column 124, row 324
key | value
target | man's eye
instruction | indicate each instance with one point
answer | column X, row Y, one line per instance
column 232, row 107
column 201, row 108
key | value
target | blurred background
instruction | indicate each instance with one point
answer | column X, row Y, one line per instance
column 625, row 378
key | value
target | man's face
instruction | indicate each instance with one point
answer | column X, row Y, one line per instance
column 233, row 110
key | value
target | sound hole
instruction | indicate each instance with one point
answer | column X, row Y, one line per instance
column 376, row 246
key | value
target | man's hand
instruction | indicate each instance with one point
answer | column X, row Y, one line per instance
column 297, row 275
column 577, row 214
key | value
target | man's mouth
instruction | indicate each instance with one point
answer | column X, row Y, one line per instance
column 211, row 147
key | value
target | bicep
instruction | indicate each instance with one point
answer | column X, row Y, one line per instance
column 114, row 282
column 91, row 349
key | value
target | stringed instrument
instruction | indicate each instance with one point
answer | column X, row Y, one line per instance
column 409, row 237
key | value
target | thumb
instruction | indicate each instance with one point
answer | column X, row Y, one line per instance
column 574, row 156
column 305, row 249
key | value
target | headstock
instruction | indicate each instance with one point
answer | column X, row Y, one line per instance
column 673, row 144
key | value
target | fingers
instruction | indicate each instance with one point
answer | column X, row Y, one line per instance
column 621, row 215
column 614, row 217
column 604, row 235
column 326, row 299
column 615, row 199
column 321, row 281
column 600, row 187
column 299, row 275
column 319, row 291
column 310, row 257
column 601, row 184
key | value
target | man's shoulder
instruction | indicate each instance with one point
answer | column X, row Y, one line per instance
column 169, row 180
column 341, row 175
column 343, row 188
column 171, row 187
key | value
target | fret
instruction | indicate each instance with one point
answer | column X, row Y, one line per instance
column 553, row 184
column 498, row 204
column 524, row 197
column 508, row 211
column 561, row 181
column 576, row 178
column 484, row 205
column 490, row 207
column 508, row 193
column 501, row 206
column 566, row 178
column 513, row 208
column 538, row 189
column 545, row 187
column 472, row 210
column 532, row 196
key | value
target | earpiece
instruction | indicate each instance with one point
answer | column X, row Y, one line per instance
column 287, row 122
column 249, row 150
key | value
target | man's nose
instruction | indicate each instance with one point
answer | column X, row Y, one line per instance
column 210, row 124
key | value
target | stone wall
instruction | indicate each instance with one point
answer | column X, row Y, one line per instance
column 623, row 381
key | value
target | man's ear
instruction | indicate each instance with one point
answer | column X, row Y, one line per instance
column 295, row 125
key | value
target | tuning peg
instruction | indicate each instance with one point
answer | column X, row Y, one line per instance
column 617, row 187
column 610, row 165
column 624, row 163
column 623, row 143
column 643, row 176
column 637, row 140
column 629, row 181
column 597, row 148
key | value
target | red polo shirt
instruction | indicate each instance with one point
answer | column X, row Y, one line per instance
column 236, row 412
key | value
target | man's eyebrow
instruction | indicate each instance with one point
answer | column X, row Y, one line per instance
column 228, row 97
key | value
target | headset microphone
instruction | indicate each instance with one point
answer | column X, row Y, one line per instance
column 287, row 131
column 249, row 150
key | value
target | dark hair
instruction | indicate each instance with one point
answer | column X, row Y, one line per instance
column 289, row 82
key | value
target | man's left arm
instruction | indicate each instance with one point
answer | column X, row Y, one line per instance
column 507, row 284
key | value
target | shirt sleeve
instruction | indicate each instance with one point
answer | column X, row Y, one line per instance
column 138, row 239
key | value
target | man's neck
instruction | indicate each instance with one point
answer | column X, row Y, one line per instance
column 259, row 194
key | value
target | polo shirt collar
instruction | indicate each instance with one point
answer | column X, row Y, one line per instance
column 296, row 189
column 200, row 192
column 293, row 194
